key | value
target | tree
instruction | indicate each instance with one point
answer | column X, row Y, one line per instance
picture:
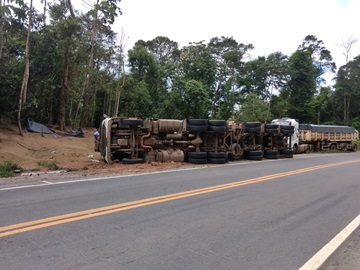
column 24, row 85
column 347, row 94
column 348, row 46
column 196, row 99
column 265, row 76
column 302, row 85
column 120, row 68
column 321, row 56
column 228, row 56
column 348, row 87
column 253, row 109
column 146, row 70
column 101, row 15
column 321, row 103
column 70, row 27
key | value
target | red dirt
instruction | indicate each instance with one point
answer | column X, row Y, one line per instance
column 69, row 153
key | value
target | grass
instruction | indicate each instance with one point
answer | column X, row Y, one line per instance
column 48, row 164
column 7, row 168
column 358, row 144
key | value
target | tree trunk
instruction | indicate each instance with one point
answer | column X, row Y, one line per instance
column 345, row 108
column 1, row 30
column 86, row 90
column 348, row 108
column 44, row 12
column 64, row 88
column 117, row 96
column 23, row 91
column 65, row 79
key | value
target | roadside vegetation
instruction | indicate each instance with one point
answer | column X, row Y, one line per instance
column 81, row 69
column 8, row 168
column 48, row 164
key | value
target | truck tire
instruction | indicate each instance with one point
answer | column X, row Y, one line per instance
column 197, row 160
column 254, row 155
column 354, row 147
column 271, row 129
column 218, row 123
column 217, row 160
column 333, row 147
column 216, row 154
column 271, row 126
column 132, row 122
column 197, row 155
column 287, row 130
column 217, row 128
column 252, row 129
column 287, row 153
column 285, row 127
column 271, row 154
column 252, row 124
column 132, row 160
column 197, row 128
column 198, row 122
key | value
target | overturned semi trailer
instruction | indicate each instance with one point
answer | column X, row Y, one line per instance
column 197, row 141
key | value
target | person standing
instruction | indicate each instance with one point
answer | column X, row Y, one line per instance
column 96, row 140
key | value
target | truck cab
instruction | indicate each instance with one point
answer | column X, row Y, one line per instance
column 293, row 140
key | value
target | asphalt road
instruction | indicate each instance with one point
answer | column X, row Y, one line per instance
column 244, row 215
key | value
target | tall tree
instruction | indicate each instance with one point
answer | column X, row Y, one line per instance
column 70, row 27
column 146, row 71
column 348, row 86
column 265, row 76
column 321, row 56
column 101, row 15
column 228, row 55
column 302, row 85
column 24, row 85
column 347, row 46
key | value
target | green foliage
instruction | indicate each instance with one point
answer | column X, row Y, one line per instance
column 196, row 98
column 347, row 92
column 7, row 168
column 254, row 109
column 49, row 164
column 136, row 100
column 156, row 78
column 321, row 56
column 355, row 122
column 301, row 86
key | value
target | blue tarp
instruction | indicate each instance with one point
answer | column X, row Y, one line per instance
column 327, row 128
column 32, row 126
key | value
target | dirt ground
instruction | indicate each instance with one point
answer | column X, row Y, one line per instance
column 72, row 154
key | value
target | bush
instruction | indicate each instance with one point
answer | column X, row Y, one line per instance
column 7, row 168
column 48, row 164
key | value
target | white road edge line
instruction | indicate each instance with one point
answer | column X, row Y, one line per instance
column 147, row 173
column 47, row 183
column 323, row 254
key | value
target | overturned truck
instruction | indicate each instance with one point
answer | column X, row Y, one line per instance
column 197, row 141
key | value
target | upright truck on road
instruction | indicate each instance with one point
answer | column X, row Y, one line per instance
column 200, row 141
column 310, row 137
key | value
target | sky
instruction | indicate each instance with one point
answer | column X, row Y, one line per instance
column 270, row 25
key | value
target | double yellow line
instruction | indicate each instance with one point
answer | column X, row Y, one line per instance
column 56, row 220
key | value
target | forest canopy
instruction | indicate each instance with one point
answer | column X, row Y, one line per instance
column 79, row 69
